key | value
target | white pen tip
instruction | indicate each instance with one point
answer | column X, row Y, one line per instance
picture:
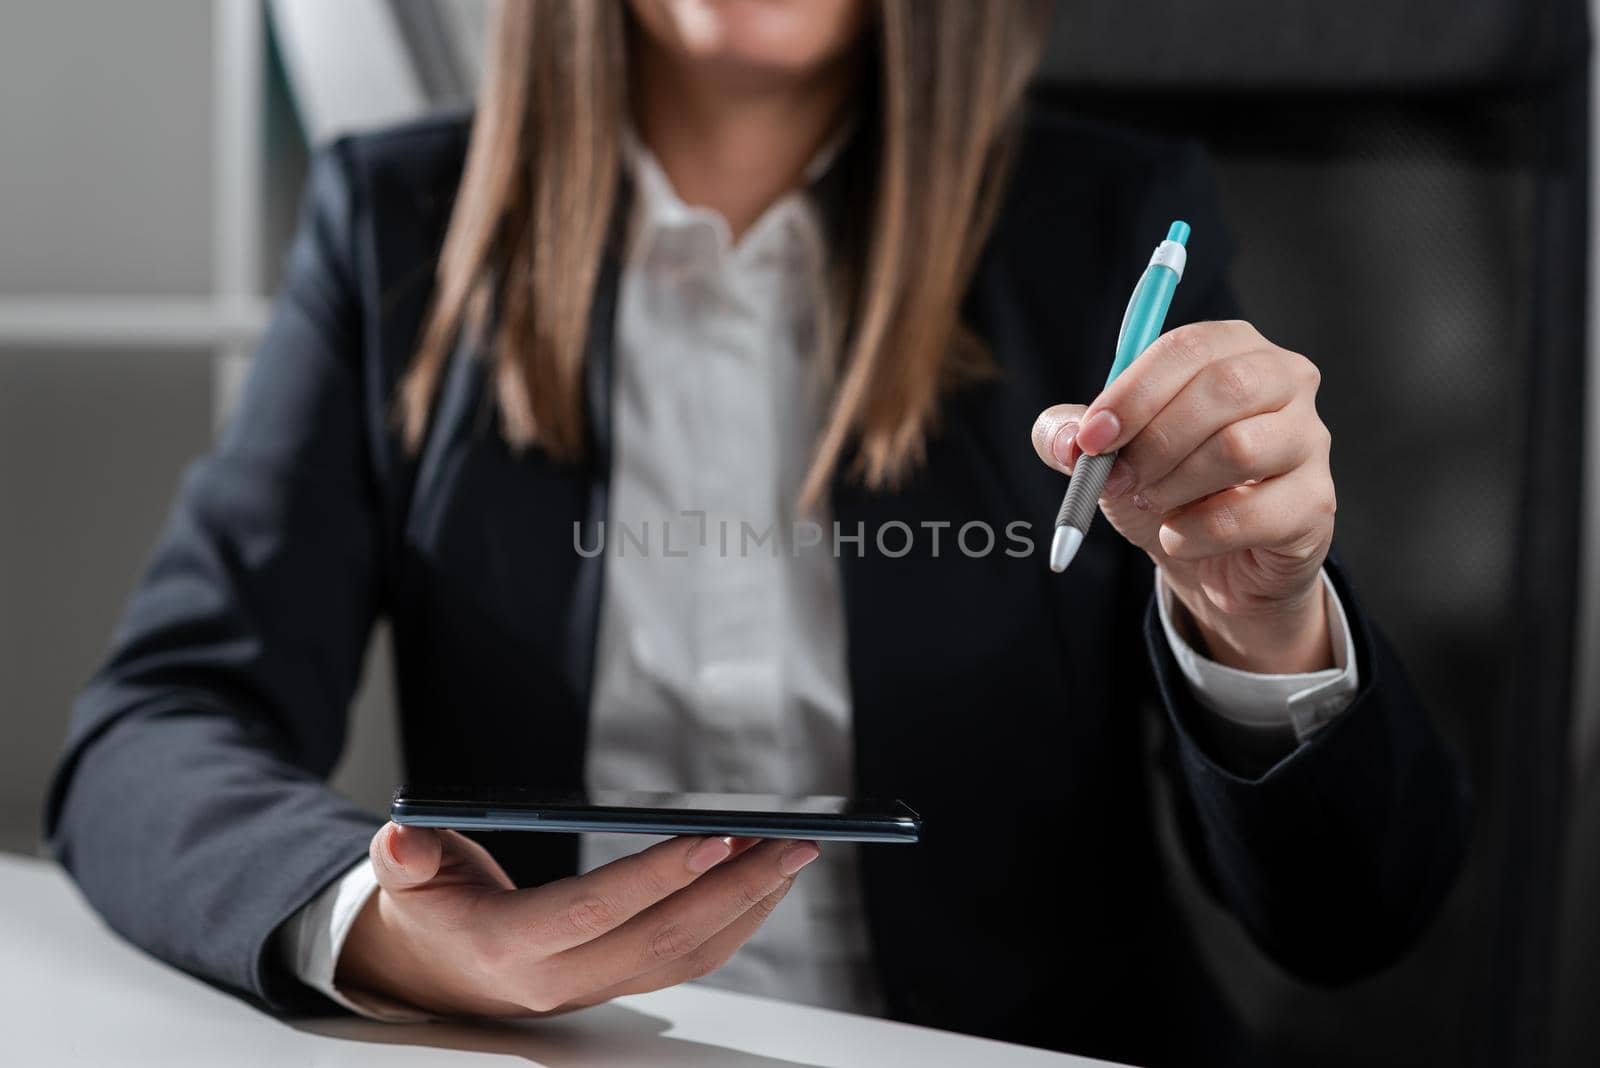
column 1064, row 546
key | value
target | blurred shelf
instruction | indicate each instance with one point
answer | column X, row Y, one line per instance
column 130, row 322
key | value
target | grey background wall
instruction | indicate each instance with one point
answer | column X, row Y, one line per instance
column 117, row 319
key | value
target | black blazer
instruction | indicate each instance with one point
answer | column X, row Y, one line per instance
column 191, row 804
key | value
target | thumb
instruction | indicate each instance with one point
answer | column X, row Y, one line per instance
column 1055, row 435
column 405, row 857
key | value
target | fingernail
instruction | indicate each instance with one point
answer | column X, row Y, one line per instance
column 391, row 847
column 1119, row 482
column 797, row 856
column 708, row 854
column 1099, row 432
column 1061, row 448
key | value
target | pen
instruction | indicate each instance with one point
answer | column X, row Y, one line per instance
column 1141, row 324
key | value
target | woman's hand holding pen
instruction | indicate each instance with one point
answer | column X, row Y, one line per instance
column 447, row 932
column 1222, row 478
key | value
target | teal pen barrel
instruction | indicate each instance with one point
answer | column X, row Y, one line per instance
column 1141, row 323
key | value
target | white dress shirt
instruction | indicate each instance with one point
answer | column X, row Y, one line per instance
column 721, row 663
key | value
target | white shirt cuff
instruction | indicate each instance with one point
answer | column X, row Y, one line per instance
column 313, row 937
column 1307, row 702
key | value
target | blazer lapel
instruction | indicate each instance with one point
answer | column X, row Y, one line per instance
column 506, row 527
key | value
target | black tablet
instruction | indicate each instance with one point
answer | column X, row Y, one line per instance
column 841, row 819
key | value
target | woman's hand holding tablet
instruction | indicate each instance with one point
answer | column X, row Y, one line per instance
column 447, row 931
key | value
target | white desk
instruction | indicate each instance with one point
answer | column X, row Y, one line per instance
column 72, row 993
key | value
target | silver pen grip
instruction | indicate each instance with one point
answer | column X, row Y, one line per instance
column 1083, row 492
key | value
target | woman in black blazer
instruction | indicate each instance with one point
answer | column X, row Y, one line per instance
column 451, row 400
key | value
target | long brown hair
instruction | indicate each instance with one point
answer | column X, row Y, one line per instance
column 536, row 200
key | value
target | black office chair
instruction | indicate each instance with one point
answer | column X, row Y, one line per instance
column 1408, row 184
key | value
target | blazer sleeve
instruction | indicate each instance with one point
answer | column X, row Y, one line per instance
column 191, row 804
column 1336, row 856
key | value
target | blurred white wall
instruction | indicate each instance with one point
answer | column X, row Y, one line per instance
column 340, row 88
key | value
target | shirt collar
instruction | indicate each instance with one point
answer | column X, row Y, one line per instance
column 791, row 224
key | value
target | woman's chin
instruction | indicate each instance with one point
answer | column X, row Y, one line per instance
column 754, row 41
